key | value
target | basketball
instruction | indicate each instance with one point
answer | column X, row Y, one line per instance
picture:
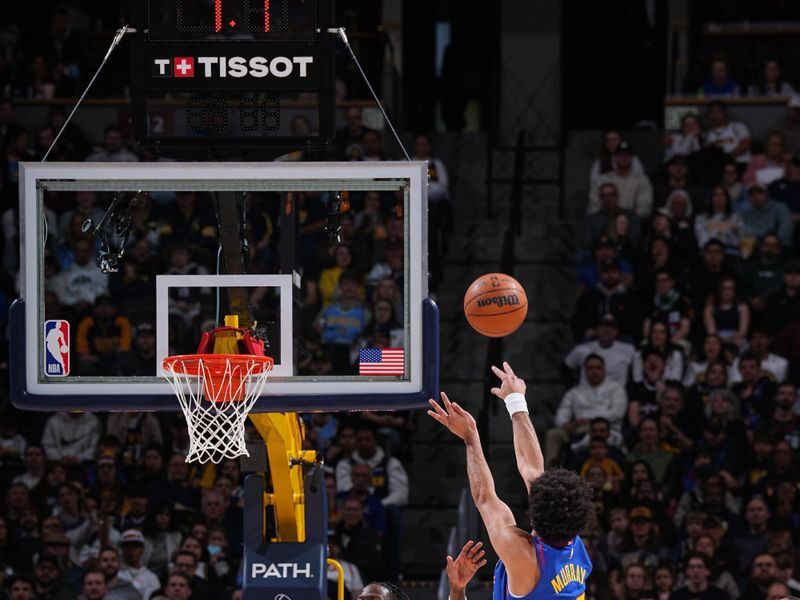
column 495, row 305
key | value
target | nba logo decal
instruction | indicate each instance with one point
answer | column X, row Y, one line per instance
column 56, row 348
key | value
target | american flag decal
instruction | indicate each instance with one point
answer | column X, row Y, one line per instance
column 381, row 361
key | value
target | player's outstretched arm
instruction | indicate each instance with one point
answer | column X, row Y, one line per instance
column 461, row 570
column 530, row 461
column 511, row 544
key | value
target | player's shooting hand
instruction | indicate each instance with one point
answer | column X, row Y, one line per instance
column 509, row 382
column 463, row 568
column 455, row 418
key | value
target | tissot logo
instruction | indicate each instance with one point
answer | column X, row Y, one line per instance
column 232, row 66
column 281, row 571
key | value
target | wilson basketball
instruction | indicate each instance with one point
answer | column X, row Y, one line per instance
column 495, row 304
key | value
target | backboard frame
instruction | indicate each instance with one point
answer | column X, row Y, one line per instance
column 28, row 392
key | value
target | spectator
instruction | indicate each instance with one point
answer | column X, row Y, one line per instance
column 647, row 449
column 113, row 149
column 360, row 544
column 755, row 391
column 789, row 125
column 634, row 189
column 726, row 316
column 101, row 338
column 79, row 286
column 770, row 81
column 769, row 166
column 773, row 366
column 140, row 361
column 778, row 591
column 178, row 587
column 71, row 437
column 762, row 576
column 604, row 250
column 134, row 432
column 658, row 342
column 95, row 586
column 47, row 576
column 677, row 431
column 598, row 397
column 732, row 182
column 711, row 351
column 786, row 189
column 609, row 297
column 763, row 273
column 134, row 286
column 342, row 321
column 642, row 544
column 20, row 587
column 185, row 563
column 142, row 578
column 752, row 541
column 732, row 137
column 389, row 478
column 33, row 459
column 686, row 141
column 669, row 307
column 698, row 574
column 617, row 355
column 720, row 222
column 607, row 160
column 353, row 582
column 619, row 231
column 189, row 223
column 609, row 209
column 767, row 216
column 707, row 274
column 117, row 589
column 783, row 423
column 720, row 83
column 329, row 279
column 348, row 138
column 674, row 176
column 722, row 578
column 363, row 489
column 783, row 306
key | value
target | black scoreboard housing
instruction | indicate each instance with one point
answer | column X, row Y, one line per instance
column 220, row 74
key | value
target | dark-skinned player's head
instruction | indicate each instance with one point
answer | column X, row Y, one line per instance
column 382, row 590
column 559, row 505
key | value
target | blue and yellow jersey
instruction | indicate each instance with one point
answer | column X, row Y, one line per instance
column 563, row 573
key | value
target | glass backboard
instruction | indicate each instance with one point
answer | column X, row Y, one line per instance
column 328, row 261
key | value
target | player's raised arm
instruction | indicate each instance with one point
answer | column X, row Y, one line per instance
column 511, row 543
column 530, row 461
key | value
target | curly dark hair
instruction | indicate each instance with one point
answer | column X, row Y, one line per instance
column 396, row 592
column 560, row 505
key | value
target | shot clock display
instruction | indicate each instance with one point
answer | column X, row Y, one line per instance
column 215, row 19
column 232, row 73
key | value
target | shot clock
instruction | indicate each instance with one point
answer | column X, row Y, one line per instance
column 232, row 73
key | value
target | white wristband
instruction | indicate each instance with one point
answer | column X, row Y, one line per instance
column 515, row 402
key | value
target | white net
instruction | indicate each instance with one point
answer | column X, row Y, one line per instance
column 216, row 395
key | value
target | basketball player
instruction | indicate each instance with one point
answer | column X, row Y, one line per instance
column 551, row 562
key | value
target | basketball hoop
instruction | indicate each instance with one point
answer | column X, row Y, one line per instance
column 216, row 393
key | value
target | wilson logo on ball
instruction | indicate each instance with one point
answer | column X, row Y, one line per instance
column 510, row 300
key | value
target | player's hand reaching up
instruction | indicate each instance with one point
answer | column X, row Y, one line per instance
column 509, row 383
column 463, row 568
column 455, row 418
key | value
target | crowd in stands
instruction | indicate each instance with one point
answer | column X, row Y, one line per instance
column 683, row 411
column 105, row 506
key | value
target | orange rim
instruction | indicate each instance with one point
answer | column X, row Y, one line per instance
column 187, row 364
